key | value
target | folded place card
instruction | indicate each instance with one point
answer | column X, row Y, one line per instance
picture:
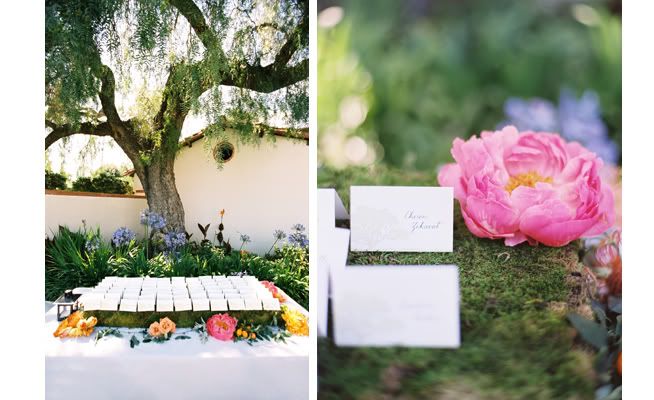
column 408, row 305
column 271, row 304
column 332, row 255
column 401, row 218
column 218, row 305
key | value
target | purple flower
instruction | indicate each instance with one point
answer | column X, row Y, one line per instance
column 298, row 237
column 92, row 244
column 174, row 240
column 575, row 119
column 152, row 219
column 122, row 236
column 534, row 114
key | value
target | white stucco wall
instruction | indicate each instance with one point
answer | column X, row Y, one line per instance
column 262, row 188
column 107, row 213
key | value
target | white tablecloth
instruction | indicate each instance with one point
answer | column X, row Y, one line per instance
column 176, row 369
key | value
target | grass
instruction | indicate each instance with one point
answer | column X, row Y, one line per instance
column 516, row 342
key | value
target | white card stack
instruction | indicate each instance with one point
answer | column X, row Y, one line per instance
column 204, row 293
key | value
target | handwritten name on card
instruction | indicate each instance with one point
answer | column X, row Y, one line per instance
column 401, row 218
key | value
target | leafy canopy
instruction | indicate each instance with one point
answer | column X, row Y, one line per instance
column 154, row 61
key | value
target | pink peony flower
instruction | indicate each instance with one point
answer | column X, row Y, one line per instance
column 530, row 186
column 222, row 326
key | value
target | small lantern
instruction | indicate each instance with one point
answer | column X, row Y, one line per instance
column 66, row 305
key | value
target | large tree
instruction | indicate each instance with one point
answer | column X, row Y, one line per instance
column 237, row 62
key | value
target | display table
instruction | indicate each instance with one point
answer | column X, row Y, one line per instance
column 176, row 369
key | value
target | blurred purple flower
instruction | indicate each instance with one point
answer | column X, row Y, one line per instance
column 576, row 119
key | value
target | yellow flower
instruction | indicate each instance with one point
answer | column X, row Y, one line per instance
column 238, row 332
column 222, row 213
column 166, row 325
column 253, row 335
column 296, row 322
column 155, row 329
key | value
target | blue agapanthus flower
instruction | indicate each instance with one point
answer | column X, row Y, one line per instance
column 279, row 234
column 92, row 244
column 576, row 119
column 152, row 219
column 298, row 237
column 122, row 236
column 174, row 240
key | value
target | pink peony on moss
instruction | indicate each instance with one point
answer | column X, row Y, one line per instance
column 530, row 186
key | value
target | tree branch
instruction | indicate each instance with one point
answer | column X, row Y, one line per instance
column 87, row 128
column 254, row 77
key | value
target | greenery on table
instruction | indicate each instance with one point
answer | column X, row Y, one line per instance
column 516, row 341
column 183, row 319
column 81, row 259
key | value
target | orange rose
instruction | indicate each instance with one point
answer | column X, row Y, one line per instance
column 167, row 326
column 155, row 329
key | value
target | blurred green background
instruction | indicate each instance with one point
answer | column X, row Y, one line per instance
column 399, row 80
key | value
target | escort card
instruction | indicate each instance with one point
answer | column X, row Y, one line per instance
column 401, row 218
column 412, row 306
column 331, row 247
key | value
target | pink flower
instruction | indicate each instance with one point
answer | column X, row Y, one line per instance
column 221, row 326
column 530, row 186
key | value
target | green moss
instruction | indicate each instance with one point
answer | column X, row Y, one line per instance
column 183, row 319
column 513, row 345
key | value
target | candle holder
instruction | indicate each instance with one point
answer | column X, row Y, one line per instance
column 66, row 304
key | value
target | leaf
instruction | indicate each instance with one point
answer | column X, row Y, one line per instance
column 615, row 304
column 133, row 342
column 592, row 332
column 147, row 340
column 182, row 337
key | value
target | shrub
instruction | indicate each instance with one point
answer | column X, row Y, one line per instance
column 81, row 259
column 56, row 180
column 104, row 180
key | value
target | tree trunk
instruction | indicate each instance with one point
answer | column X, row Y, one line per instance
column 158, row 179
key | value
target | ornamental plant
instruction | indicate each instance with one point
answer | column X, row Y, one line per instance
column 122, row 236
column 75, row 325
column 221, row 326
column 530, row 186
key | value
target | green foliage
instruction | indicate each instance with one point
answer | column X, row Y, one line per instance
column 150, row 37
column 183, row 319
column 516, row 342
column 69, row 264
column 56, row 180
column 104, row 180
column 430, row 72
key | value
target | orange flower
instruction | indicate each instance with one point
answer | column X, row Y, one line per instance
column 222, row 213
column 155, row 329
column 75, row 325
column 167, row 325
column 619, row 363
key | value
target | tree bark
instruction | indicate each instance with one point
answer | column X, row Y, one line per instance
column 158, row 179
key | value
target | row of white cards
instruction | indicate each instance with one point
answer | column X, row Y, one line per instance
column 179, row 294
column 387, row 305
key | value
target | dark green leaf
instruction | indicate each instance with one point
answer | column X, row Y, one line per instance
column 592, row 332
column 134, row 342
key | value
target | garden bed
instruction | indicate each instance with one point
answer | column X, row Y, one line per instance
column 516, row 341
